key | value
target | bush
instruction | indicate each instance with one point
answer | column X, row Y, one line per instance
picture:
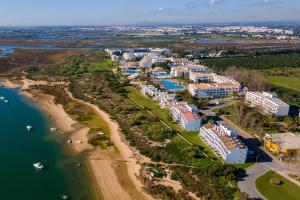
column 275, row 181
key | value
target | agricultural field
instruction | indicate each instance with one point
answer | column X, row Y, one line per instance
column 288, row 78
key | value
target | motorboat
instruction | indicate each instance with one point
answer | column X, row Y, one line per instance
column 64, row 197
column 2, row 98
column 39, row 165
column 53, row 129
column 6, row 101
column 29, row 128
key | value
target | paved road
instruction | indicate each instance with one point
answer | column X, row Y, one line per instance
column 247, row 183
column 265, row 163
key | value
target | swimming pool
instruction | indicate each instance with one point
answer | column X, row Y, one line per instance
column 171, row 85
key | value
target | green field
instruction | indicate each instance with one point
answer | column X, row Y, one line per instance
column 289, row 82
column 163, row 114
column 285, row 190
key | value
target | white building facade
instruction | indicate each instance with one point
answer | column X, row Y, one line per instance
column 186, row 116
column 202, row 90
column 230, row 149
column 268, row 103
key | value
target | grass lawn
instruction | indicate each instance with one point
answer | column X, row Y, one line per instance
column 163, row 114
column 244, row 165
column 286, row 190
column 289, row 82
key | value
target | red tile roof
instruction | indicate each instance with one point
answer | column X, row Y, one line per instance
column 188, row 116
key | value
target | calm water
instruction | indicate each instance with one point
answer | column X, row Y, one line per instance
column 211, row 41
column 19, row 149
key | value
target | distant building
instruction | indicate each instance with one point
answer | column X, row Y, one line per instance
column 167, row 100
column 286, row 145
column 186, row 116
column 161, row 51
column 179, row 72
column 268, row 103
column 185, row 70
column 200, row 77
column 129, row 69
column 129, row 56
column 158, row 72
column 221, row 141
column 151, row 91
column 202, row 90
column 150, row 60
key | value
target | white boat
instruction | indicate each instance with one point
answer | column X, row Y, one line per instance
column 53, row 129
column 64, row 197
column 29, row 128
column 38, row 165
column 6, row 101
column 2, row 98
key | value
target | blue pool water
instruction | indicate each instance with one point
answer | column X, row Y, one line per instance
column 171, row 85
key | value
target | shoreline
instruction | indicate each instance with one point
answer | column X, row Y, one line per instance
column 115, row 169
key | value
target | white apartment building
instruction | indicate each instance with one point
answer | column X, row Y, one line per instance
column 151, row 91
column 167, row 100
column 186, row 116
column 129, row 56
column 187, row 69
column 161, row 51
column 268, row 103
column 224, row 79
column 150, row 60
column 201, row 90
column 200, row 77
column 230, row 149
column 179, row 72
column 159, row 72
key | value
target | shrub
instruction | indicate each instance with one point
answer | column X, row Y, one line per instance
column 275, row 181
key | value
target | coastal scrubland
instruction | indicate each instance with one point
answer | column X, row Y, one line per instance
column 93, row 78
column 32, row 57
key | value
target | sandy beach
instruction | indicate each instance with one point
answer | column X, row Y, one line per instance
column 114, row 168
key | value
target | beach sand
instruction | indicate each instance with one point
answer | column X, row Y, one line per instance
column 115, row 170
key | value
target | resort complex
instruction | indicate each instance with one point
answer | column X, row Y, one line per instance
column 178, row 84
column 268, row 103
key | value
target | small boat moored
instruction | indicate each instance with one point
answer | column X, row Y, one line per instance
column 39, row 165
column 29, row 128
column 64, row 197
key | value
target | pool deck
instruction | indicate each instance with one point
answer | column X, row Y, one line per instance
column 171, row 85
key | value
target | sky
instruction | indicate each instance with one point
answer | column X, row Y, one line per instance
column 119, row 12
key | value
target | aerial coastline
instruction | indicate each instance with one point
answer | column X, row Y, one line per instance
column 110, row 168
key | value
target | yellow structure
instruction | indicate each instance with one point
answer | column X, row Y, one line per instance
column 284, row 144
